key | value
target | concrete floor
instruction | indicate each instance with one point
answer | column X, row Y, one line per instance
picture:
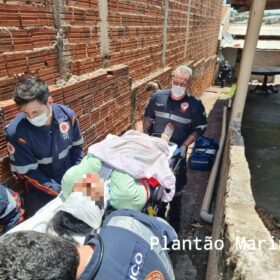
column 261, row 131
column 260, row 128
column 192, row 264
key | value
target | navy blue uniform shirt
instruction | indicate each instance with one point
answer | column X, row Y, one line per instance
column 187, row 115
column 128, row 250
column 43, row 154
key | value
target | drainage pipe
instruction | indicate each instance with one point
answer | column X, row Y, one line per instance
column 204, row 212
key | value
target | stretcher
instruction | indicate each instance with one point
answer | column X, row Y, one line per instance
column 39, row 222
column 155, row 202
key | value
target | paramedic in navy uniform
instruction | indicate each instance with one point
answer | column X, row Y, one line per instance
column 44, row 140
column 130, row 245
column 188, row 117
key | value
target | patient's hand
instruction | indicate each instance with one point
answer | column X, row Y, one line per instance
column 139, row 126
column 91, row 185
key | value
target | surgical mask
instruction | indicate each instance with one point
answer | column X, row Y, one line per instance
column 178, row 91
column 40, row 120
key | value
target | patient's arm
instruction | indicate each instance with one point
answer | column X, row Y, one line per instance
column 139, row 126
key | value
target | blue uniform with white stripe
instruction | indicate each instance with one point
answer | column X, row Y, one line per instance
column 41, row 155
column 128, row 249
column 187, row 115
column 10, row 211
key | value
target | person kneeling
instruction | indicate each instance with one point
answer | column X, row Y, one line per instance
column 122, row 250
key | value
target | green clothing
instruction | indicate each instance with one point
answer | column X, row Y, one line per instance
column 89, row 164
column 124, row 190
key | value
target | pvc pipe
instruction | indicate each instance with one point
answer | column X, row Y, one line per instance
column 247, row 60
column 204, row 212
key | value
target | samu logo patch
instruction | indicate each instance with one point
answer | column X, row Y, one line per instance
column 11, row 148
column 184, row 107
column 155, row 275
column 64, row 127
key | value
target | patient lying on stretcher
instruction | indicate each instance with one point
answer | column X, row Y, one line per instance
column 133, row 152
column 125, row 162
column 134, row 157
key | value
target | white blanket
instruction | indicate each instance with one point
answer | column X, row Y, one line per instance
column 140, row 156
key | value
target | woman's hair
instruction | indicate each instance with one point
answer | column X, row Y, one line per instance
column 66, row 225
column 153, row 86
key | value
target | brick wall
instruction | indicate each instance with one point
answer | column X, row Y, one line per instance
column 203, row 72
column 139, row 95
column 176, row 32
column 204, row 29
column 57, row 39
column 135, row 32
column 97, row 55
column 79, row 29
column 27, row 43
column 101, row 100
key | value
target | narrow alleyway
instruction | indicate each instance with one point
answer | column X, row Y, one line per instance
column 192, row 264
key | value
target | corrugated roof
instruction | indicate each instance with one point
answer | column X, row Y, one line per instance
column 244, row 5
column 262, row 44
column 266, row 30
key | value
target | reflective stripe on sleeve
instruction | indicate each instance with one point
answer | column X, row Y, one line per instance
column 24, row 169
column 64, row 153
column 172, row 117
column 162, row 114
column 79, row 142
column 180, row 119
column 201, row 126
column 45, row 160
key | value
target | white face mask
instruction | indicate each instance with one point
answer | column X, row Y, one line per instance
column 178, row 91
column 40, row 120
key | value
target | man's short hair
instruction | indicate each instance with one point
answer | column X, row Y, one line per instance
column 30, row 88
column 184, row 69
column 34, row 255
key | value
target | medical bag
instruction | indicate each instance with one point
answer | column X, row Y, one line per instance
column 203, row 153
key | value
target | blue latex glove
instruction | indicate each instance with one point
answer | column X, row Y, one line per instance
column 181, row 150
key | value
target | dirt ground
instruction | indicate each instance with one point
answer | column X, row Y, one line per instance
column 191, row 264
column 260, row 128
column 261, row 136
column 271, row 223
